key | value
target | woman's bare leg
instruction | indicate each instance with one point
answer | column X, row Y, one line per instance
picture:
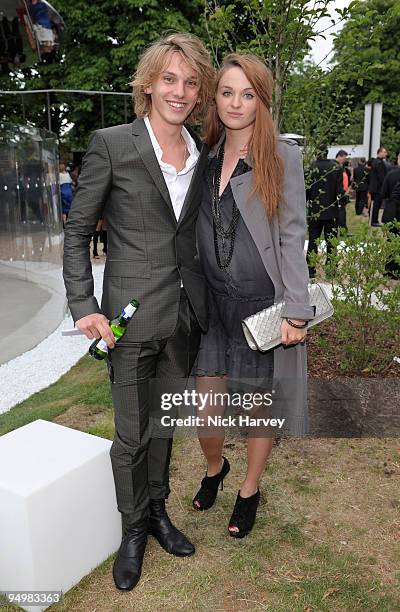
column 259, row 447
column 211, row 438
column 258, row 451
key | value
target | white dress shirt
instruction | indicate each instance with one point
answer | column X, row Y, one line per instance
column 177, row 182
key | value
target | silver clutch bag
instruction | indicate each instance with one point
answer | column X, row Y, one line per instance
column 263, row 329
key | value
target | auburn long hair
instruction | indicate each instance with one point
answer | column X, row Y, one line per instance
column 267, row 165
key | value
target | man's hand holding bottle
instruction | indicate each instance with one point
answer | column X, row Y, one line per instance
column 106, row 333
column 96, row 325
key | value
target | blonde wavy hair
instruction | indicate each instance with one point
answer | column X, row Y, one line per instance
column 153, row 61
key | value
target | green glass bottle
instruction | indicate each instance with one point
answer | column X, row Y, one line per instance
column 99, row 349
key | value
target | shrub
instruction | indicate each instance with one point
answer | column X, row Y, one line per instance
column 366, row 298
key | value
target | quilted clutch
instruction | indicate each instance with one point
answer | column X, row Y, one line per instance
column 263, row 329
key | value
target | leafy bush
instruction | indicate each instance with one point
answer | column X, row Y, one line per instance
column 366, row 298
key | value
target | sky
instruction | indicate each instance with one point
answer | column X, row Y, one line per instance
column 321, row 47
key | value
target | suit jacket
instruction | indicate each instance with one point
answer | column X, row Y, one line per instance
column 391, row 193
column 325, row 178
column 377, row 175
column 280, row 242
column 361, row 178
column 149, row 252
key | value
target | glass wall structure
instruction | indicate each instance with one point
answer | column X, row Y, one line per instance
column 32, row 296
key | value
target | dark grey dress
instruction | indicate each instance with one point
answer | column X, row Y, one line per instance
column 234, row 293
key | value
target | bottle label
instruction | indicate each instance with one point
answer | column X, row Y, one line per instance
column 128, row 311
column 102, row 346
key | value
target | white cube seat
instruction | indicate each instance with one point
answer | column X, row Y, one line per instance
column 58, row 511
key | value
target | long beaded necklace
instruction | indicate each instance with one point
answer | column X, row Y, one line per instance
column 220, row 233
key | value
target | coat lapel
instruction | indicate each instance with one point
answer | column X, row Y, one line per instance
column 195, row 182
column 258, row 224
column 146, row 152
column 252, row 211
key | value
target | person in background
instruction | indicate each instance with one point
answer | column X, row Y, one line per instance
column 360, row 185
column 391, row 193
column 341, row 158
column 325, row 189
column 103, row 236
column 75, row 172
column 100, row 234
column 42, row 24
column 95, row 239
column 67, row 194
column 349, row 171
column 11, row 42
column 369, row 195
column 377, row 175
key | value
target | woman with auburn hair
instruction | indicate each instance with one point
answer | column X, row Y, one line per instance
column 251, row 231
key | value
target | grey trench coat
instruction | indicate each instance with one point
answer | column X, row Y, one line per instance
column 280, row 242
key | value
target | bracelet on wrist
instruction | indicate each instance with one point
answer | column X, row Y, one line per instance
column 297, row 325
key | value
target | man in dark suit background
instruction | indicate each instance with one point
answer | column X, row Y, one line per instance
column 391, row 193
column 324, row 190
column 360, row 185
column 376, row 177
column 144, row 180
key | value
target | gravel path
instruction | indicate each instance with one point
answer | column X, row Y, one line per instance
column 47, row 362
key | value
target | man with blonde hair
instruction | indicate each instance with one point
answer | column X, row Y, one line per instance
column 144, row 180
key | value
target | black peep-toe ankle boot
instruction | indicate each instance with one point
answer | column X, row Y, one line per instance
column 206, row 495
column 244, row 514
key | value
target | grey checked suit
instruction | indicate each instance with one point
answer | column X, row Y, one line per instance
column 149, row 254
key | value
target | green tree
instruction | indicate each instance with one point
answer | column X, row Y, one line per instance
column 280, row 31
column 315, row 107
column 368, row 50
column 103, row 43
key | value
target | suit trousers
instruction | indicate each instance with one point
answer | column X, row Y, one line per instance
column 361, row 201
column 342, row 217
column 392, row 268
column 141, row 450
column 376, row 201
column 315, row 229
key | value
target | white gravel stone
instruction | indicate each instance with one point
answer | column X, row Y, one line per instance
column 47, row 362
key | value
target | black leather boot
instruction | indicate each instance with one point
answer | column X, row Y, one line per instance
column 128, row 562
column 169, row 537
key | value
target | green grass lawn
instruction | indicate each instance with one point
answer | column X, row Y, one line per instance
column 84, row 386
column 352, row 219
column 326, row 537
